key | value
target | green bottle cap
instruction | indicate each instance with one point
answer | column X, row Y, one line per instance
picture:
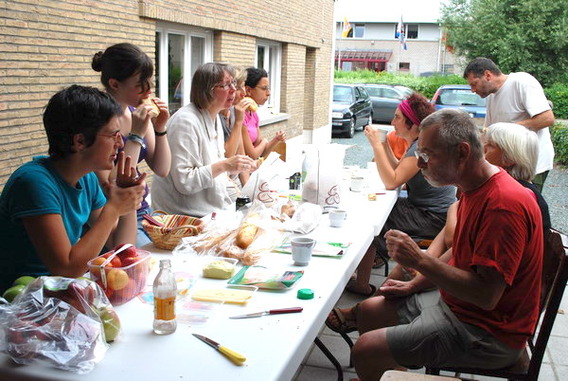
column 305, row 293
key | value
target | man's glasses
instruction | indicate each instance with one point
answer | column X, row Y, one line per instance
column 228, row 85
column 113, row 135
column 422, row 155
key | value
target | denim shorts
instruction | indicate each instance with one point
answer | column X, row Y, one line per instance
column 430, row 334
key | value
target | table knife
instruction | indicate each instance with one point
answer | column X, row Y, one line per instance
column 235, row 357
column 289, row 310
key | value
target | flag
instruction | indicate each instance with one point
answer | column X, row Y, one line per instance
column 347, row 30
column 400, row 34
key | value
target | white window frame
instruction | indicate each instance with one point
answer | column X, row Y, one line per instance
column 272, row 61
column 187, row 32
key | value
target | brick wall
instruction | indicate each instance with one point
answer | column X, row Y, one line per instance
column 46, row 45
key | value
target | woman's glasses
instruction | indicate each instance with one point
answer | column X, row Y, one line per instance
column 113, row 135
column 228, row 85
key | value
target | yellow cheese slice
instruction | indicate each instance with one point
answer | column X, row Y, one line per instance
column 222, row 295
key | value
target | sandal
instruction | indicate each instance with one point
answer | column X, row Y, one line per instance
column 343, row 328
column 350, row 288
column 379, row 262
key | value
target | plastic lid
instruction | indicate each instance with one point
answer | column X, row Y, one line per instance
column 305, row 293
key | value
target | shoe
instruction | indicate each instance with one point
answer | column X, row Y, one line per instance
column 350, row 288
column 343, row 328
column 379, row 262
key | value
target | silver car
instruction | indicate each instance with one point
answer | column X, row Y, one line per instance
column 385, row 99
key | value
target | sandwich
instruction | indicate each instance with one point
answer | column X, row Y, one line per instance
column 253, row 106
column 155, row 111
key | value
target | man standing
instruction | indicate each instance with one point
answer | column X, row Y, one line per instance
column 516, row 98
column 489, row 281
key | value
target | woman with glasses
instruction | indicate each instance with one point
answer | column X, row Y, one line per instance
column 46, row 202
column 423, row 213
column 200, row 174
column 257, row 87
column 126, row 73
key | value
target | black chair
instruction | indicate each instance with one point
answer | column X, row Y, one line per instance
column 554, row 278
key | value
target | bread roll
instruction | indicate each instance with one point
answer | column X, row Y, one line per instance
column 155, row 110
column 253, row 106
column 245, row 235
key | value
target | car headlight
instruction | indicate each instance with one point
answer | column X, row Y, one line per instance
column 337, row 115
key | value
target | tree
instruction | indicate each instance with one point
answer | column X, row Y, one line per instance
column 518, row 35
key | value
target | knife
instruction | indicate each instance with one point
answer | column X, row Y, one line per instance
column 288, row 310
column 235, row 357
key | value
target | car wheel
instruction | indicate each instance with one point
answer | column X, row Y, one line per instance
column 351, row 131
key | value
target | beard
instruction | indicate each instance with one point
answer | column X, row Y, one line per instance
column 446, row 175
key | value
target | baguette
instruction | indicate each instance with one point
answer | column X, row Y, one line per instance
column 245, row 235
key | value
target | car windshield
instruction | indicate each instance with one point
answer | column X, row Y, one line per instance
column 342, row 94
column 459, row 97
column 374, row 91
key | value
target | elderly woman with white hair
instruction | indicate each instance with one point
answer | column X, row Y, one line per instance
column 515, row 148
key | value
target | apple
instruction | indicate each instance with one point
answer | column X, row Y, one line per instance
column 130, row 260
column 11, row 293
column 111, row 323
column 127, row 293
column 24, row 280
column 128, row 252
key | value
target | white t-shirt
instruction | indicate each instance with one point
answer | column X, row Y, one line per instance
column 521, row 97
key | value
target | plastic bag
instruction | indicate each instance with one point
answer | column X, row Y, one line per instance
column 218, row 239
column 265, row 278
column 262, row 183
column 59, row 322
column 323, row 167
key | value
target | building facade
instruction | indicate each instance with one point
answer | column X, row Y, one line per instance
column 368, row 37
column 46, row 45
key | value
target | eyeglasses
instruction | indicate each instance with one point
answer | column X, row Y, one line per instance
column 113, row 135
column 263, row 88
column 422, row 155
column 228, row 85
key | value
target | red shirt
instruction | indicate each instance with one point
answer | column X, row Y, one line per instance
column 499, row 225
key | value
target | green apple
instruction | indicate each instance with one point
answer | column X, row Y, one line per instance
column 24, row 280
column 111, row 323
column 11, row 293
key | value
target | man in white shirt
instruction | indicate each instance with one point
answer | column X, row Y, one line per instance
column 516, row 98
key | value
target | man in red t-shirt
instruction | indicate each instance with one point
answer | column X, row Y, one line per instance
column 489, row 281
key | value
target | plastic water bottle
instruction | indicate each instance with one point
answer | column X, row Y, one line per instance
column 165, row 290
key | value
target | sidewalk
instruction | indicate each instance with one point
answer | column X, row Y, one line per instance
column 317, row 367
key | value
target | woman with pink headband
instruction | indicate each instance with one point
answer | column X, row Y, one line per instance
column 423, row 213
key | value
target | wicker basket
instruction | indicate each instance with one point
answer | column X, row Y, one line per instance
column 175, row 228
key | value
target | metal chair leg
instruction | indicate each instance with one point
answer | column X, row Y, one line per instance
column 330, row 357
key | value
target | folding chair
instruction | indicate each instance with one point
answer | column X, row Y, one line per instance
column 554, row 278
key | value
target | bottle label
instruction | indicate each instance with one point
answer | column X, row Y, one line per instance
column 164, row 309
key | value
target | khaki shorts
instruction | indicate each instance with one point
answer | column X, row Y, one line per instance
column 430, row 334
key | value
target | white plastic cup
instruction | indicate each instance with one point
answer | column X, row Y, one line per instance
column 357, row 183
column 337, row 217
column 302, row 248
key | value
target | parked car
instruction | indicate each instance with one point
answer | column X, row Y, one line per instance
column 460, row 97
column 386, row 99
column 351, row 109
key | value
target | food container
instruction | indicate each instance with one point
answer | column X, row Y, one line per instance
column 167, row 230
column 124, row 276
column 220, row 268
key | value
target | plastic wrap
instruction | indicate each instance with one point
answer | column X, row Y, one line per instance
column 59, row 322
column 219, row 238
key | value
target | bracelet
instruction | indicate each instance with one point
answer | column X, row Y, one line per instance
column 160, row 133
column 137, row 139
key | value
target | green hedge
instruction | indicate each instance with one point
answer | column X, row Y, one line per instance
column 558, row 95
column 427, row 86
column 559, row 134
